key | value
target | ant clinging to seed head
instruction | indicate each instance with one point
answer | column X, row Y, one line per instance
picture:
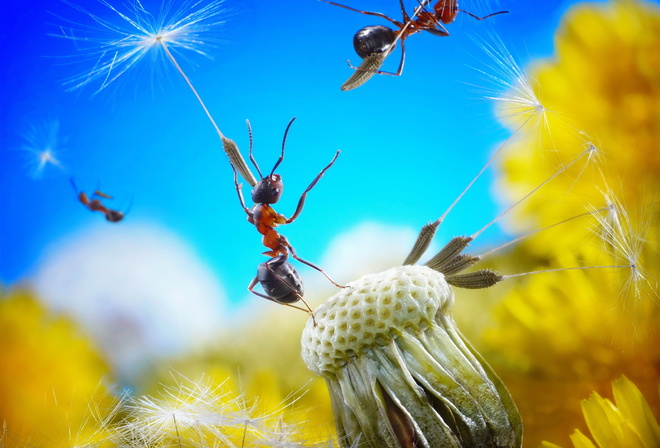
column 94, row 203
column 277, row 276
column 375, row 43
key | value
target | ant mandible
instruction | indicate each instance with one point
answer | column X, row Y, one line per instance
column 375, row 43
column 277, row 276
column 94, row 203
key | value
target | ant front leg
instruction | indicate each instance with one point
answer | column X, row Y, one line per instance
column 303, row 196
column 240, row 195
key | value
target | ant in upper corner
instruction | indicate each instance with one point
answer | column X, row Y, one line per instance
column 375, row 43
column 94, row 203
column 277, row 276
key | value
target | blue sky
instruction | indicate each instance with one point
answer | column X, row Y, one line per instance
column 409, row 144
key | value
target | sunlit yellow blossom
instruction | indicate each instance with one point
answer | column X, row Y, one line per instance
column 559, row 336
column 49, row 375
column 627, row 423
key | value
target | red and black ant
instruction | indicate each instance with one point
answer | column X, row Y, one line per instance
column 94, row 203
column 277, row 276
column 375, row 43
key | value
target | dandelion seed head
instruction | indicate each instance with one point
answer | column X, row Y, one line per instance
column 370, row 312
column 625, row 239
column 513, row 92
column 42, row 143
column 116, row 44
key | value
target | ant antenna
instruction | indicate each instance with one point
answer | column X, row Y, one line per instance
column 73, row 184
column 254, row 162
column 286, row 132
column 484, row 17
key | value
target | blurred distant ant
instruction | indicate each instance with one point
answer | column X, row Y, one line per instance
column 375, row 43
column 277, row 276
column 94, row 204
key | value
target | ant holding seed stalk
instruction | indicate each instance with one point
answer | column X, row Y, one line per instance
column 277, row 276
column 375, row 43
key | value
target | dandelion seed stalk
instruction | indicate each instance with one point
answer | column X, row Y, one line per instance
column 230, row 147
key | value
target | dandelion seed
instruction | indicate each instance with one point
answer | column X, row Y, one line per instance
column 42, row 143
column 517, row 103
column 121, row 42
column 626, row 244
column 139, row 33
column 182, row 412
column 515, row 99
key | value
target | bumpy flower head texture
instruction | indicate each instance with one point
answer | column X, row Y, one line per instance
column 399, row 372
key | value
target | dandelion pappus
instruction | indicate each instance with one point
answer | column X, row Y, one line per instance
column 94, row 203
column 277, row 276
column 375, row 43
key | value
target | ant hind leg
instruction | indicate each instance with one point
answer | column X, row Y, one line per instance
column 254, row 282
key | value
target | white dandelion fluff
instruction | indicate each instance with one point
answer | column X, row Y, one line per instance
column 117, row 43
column 42, row 145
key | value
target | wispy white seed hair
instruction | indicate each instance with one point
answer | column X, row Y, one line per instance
column 398, row 369
column 117, row 43
column 511, row 88
column 626, row 241
column 42, row 143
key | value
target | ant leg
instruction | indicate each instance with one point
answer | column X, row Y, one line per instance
column 371, row 66
column 312, row 265
column 303, row 196
column 286, row 132
column 403, row 59
column 484, row 17
column 240, row 194
column 369, row 13
column 254, row 282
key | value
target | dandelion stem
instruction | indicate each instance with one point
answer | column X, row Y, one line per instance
column 199, row 98
column 574, row 268
column 527, row 235
column 229, row 146
column 534, row 190
column 484, row 168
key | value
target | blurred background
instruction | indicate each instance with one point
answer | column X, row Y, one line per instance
column 173, row 275
column 409, row 145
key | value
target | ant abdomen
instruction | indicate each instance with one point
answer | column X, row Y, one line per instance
column 280, row 280
column 372, row 40
column 114, row 215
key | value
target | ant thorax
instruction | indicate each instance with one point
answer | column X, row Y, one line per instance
column 268, row 190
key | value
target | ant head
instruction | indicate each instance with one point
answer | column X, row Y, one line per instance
column 114, row 215
column 373, row 39
column 268, row 190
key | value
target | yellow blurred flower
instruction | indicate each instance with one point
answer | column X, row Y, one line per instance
column 558, row 336
column 629, row 423
column 51, row 389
